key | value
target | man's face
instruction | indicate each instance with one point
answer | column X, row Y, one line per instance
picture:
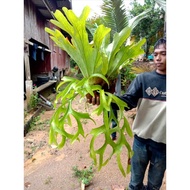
column 160, row 59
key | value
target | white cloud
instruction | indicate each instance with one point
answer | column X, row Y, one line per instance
column 78, row 5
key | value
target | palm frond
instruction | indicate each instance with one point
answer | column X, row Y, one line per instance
column 115, row 16
column 161, row 3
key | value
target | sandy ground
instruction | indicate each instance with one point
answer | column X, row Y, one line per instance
column 46, row 168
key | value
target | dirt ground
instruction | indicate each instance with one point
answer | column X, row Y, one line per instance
column 46, row 168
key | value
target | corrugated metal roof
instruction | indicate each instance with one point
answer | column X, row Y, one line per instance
column 45, row 7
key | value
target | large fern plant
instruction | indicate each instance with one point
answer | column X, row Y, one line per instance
column 99, row 62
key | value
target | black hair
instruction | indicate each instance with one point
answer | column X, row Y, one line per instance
column 159, row 42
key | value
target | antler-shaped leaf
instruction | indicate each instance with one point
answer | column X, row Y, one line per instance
column 99, row 62
column 106, row 131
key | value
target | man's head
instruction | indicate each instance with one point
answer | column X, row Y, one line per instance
column 160, row 56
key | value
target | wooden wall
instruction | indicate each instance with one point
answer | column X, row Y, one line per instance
column 34, row 24
column 34, row 28
column 58, row 56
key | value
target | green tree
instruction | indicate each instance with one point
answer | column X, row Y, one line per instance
column 162, row 4
column 152, row 27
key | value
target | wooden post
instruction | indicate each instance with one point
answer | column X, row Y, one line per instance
column 27, row 62
column 28, row 82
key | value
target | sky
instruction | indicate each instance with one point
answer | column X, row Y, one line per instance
column 78, row 5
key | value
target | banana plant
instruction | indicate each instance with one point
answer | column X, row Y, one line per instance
column 99, row 61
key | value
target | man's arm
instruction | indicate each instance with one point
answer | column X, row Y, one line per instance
column 132, row 95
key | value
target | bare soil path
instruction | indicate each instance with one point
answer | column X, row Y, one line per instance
column 46, row 168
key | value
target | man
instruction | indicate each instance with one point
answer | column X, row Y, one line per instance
column 148, row 94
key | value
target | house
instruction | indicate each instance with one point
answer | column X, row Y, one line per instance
column 44, row 63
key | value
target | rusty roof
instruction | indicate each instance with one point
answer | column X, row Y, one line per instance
column 45, row 7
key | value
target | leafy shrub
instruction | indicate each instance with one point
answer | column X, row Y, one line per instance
column 84, row 175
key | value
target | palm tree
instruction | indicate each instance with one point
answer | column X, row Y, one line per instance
column 115, row 17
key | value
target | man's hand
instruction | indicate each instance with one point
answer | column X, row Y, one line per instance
column 93, row 100
column 96, row 99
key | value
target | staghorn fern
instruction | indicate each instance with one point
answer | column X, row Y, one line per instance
column 99, row 62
